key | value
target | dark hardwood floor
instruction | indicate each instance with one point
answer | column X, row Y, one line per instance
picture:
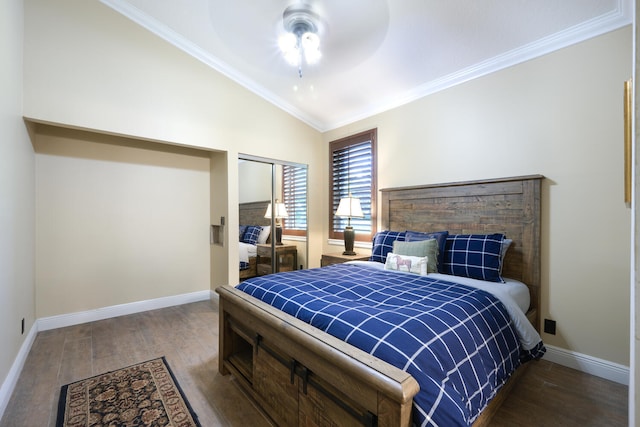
column 187, row 335
column 553, row 395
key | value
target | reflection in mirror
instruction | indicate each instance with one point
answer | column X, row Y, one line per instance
column 255, row 194
column 281, row 242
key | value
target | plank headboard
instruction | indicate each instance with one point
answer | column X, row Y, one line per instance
column 507, row 205
column 252, row 213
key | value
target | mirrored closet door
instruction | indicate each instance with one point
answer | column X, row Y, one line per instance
column 273, row 216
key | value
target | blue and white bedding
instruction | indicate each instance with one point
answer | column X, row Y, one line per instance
column 249, row 236
column 459, row 342
column 246, row 251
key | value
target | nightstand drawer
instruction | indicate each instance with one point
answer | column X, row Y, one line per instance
column 286, row 259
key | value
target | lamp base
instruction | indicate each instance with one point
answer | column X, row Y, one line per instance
column 278, row 235
column 349, row 240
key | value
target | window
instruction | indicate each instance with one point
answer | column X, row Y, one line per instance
column 353, row 170
column 294, row 196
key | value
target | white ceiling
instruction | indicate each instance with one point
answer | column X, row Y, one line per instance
column 376, row 54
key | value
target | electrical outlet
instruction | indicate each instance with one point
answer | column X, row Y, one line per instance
column 550, row 326
column 22, row 326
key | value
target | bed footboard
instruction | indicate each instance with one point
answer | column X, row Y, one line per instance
column 300, row 375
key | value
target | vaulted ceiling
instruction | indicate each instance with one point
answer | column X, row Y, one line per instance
column 376, row 54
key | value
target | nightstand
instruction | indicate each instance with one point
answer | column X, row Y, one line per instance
column 338, row 258
column 286, row 258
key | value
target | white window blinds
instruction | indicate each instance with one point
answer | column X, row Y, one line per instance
column 353, row 171
column 294, row 196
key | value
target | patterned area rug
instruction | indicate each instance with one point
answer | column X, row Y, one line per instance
column 145, row 394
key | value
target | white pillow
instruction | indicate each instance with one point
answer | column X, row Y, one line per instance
column 264, row 234
column 503, row 249
column 410, row 264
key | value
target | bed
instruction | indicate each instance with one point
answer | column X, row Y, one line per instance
column 302, row 375
column 251, row 215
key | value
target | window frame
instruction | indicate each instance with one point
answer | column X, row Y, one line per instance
column 340, row 144
column 301, row 191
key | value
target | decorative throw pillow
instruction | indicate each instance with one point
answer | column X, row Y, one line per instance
column 440, row 236
column 251, row 234
column 421, row 248
column 264, row 234
column 503, row 250
column 243, row 228
column 383, row 244
column 474, row 255
column 407, row 263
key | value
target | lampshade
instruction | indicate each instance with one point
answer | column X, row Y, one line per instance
column 281, row 211
column 349, row 207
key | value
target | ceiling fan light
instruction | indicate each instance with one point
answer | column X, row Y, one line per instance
column 311, row 47
column 301, row 38
column 292, row 57
column 311, row 41
column 312, row 56
column 288, row 43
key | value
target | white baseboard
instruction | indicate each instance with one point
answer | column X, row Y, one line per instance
column 588, row 364
column 46, row 323
column 14, row 373
column 63, row 320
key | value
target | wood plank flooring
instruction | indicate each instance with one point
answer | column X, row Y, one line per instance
column 187, row 335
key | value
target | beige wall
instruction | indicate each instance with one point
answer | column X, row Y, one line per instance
column 255, row 181
column 560, row 116
column 17, row 207
column 118, row 221
column 222, row 272
column 88, row 67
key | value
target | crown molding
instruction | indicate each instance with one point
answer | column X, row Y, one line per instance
column 164, row 32
column 605, row 23
column 615, row 19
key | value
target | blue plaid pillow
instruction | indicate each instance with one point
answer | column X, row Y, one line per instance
column 242, row 229
column 441, row 238
column 383, row 244
column 474, row 255
column 244, row 265
column 251, row 234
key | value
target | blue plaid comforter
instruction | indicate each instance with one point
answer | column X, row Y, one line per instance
column 458, row 342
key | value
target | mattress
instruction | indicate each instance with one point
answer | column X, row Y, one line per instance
column 459, row 341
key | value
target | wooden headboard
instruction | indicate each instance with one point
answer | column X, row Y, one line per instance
column 252, row 213
column 508, row 205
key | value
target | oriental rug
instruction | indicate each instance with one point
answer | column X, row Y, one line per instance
column 144, row 394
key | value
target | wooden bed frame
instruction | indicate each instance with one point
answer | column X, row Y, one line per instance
column 300, row 375
column 252, row 213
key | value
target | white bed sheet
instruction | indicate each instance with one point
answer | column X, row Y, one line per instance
column 513, row 294
column 246, row 251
